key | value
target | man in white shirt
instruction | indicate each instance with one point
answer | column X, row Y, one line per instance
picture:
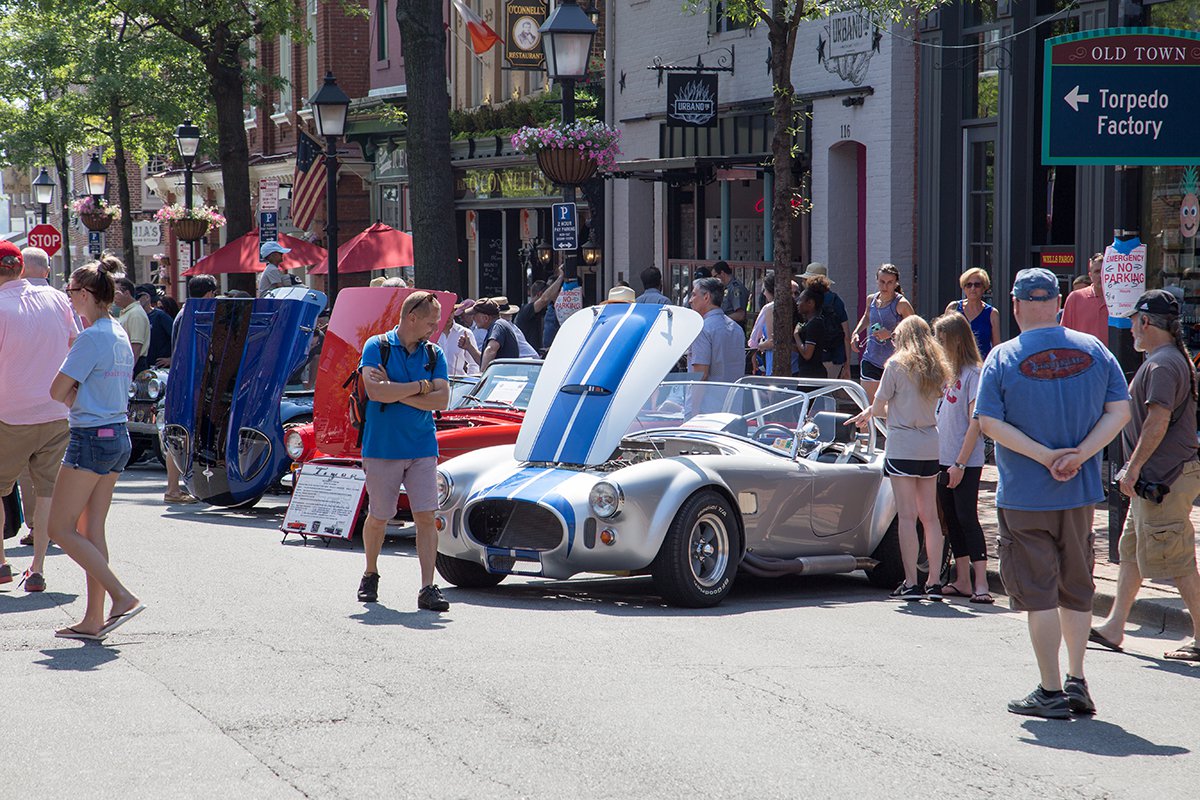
column 462, row 355
column 272, row 277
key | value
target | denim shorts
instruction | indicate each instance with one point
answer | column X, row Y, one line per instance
column 100, row 450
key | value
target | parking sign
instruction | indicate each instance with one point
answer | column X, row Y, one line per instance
column 566, row 232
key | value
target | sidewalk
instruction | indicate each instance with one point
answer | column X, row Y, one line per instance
column 1158, row 604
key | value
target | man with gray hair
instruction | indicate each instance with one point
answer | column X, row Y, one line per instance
column 1051, row 398
column 37, row 266
column 719, row 352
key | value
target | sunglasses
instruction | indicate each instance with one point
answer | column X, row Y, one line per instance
column 69, row 290
column 973, row 285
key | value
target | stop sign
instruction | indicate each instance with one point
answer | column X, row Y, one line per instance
column 46, row 237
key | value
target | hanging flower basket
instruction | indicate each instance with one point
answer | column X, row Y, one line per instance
column 190, row 229
column 566, row 167
column 96, row 220
column 570, row 153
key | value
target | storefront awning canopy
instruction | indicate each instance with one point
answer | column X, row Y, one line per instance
column 682, row 169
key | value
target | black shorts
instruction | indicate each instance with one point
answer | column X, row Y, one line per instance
column 869, row 371
column 910, row 468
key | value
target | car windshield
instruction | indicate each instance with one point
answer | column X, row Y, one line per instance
column 505, row 384
column 730, row 408
column 460, row 387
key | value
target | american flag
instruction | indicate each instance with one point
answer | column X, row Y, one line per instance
column 308, row 182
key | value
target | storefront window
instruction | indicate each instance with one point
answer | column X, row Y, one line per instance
column 391, row 213
column 1053, row 207
column 981, row 72
column 982, row 12
column 1170, row 222
column 981, row 200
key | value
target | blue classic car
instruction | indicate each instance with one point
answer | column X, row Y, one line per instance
column 233, row 358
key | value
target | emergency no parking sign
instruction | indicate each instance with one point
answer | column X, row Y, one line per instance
column 1124, row 276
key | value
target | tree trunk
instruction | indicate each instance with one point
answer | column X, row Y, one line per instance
column 64, row 192
column 123, row 198
column 423, row 35
column 226, row 87
column 782, row 38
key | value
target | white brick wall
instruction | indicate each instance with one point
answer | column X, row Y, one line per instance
column 884, row 125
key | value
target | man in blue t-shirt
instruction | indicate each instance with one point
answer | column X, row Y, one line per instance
column 400, row 438
column 1051, row 398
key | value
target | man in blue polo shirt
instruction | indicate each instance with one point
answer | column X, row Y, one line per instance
column 1051, row 398
column 400, row 438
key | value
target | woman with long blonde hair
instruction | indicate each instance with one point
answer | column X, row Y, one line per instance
column 961, row 458
column 907, row 398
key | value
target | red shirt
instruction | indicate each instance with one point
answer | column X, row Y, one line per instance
column 1085, row 311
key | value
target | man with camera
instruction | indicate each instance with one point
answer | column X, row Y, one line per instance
column 1161, row 474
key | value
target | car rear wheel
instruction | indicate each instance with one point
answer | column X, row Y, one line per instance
column 697, row 562
column 466, row 574
column 889, row 572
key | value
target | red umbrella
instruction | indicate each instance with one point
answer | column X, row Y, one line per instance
column 241, row 256
column 378, row 247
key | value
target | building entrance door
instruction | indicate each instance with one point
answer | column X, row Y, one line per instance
column 979, row 198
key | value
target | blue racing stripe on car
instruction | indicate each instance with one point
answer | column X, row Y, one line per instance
column 511, row 482
column 574, row 416
column 534, row 490
column 563, row 506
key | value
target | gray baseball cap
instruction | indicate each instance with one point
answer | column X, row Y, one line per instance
column 1035, row 284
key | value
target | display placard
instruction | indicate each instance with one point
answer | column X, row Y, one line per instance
column 325, row 501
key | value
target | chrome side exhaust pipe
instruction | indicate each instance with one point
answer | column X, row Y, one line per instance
column 767, row 567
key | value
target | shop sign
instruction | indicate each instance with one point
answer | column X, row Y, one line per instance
column 1124, row 278
column 1061, row 262
column 691, row 100
column 524, row 19
column 391, row 162
column 510, row 182
column 846, row 45
column 1121, row 96
column 146, row 233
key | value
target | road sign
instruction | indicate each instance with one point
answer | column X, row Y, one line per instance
column 268, row 194
column 146, row 233
column 1121, row 96
column 268, row 227
column 46, row 237
column 95, row 243
column 566, row 232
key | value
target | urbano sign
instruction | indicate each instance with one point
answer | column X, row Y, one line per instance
column 692, row 100
column 1121, row 96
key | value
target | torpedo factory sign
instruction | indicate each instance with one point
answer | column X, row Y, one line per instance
column 1121, row 96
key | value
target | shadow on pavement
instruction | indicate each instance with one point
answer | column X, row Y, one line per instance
column 948, row 610
column 375, row 614
column 20, row 600
column 1096, row 737
column 86, row 658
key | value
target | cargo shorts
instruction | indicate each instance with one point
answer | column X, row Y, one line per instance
column 1046, row 558
column 1161, row 535
column 39, row 447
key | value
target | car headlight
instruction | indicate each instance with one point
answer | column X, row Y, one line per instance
column 445, row 485
column 293, row 443
column 133, row 390
column 154, row 388
column 606, row 499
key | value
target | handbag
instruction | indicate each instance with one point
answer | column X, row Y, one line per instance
column 14, row 514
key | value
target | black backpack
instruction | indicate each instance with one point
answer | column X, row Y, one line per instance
column 834, row 336
column 357, row 403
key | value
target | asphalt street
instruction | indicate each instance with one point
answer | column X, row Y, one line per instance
column 255, row 673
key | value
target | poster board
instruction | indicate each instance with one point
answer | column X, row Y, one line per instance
column 325, row 501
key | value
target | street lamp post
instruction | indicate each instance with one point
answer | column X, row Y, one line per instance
column 330, row 106
column 43, row 192
column 95, row 178
column 187, row 138
column 567, row 42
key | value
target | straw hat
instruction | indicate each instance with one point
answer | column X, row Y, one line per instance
column 816, row 270
column 621, row 294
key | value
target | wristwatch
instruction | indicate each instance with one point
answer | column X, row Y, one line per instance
column 959, row 466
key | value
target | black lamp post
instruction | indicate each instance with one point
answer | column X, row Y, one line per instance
column 330, row 106
column 43, row 191
column 187, row 138
column 567, row 42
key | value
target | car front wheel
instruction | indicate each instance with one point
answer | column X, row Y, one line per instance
column 697, row 562
column 466, row 574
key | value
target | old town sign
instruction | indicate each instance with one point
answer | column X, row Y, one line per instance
column 1121, row 96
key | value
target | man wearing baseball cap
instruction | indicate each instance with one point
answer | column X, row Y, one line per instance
column 37, row 328
column 272, row 277
column 1051, row 398
column 1161, row 475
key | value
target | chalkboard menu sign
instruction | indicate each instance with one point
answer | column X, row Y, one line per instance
column 491, row 254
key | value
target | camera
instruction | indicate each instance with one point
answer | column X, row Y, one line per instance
column 1154, row 492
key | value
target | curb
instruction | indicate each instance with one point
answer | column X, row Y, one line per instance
column 1160, row 613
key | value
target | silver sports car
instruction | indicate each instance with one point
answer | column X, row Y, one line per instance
column 616, row 471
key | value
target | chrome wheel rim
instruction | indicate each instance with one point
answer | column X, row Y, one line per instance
column 708, row 549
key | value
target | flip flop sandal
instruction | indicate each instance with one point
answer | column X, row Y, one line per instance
column 950, row 590
column 71, row 632
column 1095, row 637
column 1189, row 652
column 984, row 598
column 117, row 620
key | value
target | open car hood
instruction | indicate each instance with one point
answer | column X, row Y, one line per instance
column 602, row 368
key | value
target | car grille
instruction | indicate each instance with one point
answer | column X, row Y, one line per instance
column 514, row 524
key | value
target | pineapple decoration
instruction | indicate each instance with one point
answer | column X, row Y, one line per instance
column 1189, row 209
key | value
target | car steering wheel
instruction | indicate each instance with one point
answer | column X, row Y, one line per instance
column 775, row 430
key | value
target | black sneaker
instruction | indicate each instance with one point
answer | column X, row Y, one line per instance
column 368, row 588
column 1078, row 697
column 430, row 598
column 933, row 592
column 1040, row 703
column 909, row 593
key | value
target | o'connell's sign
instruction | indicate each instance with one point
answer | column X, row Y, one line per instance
column 523, row 48
column 1121, row 96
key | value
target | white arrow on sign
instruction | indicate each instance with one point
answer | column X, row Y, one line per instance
column 1074, row 98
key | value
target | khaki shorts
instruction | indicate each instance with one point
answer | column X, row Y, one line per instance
column 1160, row 535
column 39, row 447
column 385, row 476
column 1046, row 558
